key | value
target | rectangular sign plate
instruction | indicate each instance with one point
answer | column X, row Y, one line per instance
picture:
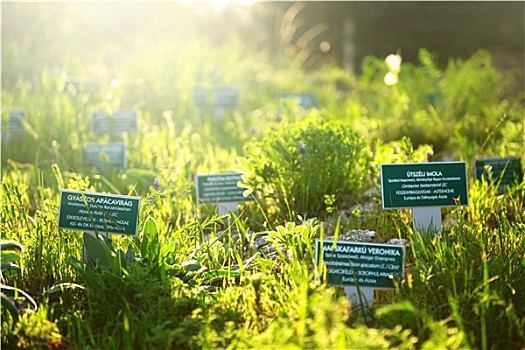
column 226, row 96
column 91, row 212
column 119, row 123
column 304, row 100
column 99, row 123
column 363, row 264
column 436, row 184
column 220, row 188
column 508, row 169
column 201, row 96
column 15, row 121
column 125, row 121
column 113, row 155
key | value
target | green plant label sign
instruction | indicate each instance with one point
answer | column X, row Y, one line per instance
column 226, row 96
column 437, row 184
column 220, row 188
column 304, row 100
column 92, row 212
column 362, row 264
column 201, row 96
column 125, row 121
column 15, row 121
column 102, row 156
column 119, row 123
column 99, row 123
column 505, row 170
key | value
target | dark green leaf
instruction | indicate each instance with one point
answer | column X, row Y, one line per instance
column 13, row 292
column 63, row 286
column 11, row 245
column 96, row 254
column 10, row 306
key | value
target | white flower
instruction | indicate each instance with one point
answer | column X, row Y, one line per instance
column 393, row 62
column 390, row 79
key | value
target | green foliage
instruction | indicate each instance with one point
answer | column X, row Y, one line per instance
column 296, row 242
column 292, row 169
column 313, row 319
column 9, row 257
column 446, row 109
column 13, row 299
column 35, row 331
column 191, row 279
column 47, row 263
column 125, row 283
column 473, row 271
column 136, row 310
column 403, row 318
column 56, row 123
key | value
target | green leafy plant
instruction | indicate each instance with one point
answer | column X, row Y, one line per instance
column 36, row 331
column 13, row 299
column 292, row 169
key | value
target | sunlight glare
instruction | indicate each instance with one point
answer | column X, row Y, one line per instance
column 390, row 79
column 115, row 83
column 222, row 4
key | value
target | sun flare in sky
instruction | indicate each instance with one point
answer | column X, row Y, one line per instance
column 221, row 4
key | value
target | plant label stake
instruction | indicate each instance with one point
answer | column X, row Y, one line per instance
column 221, row 189
column 98, row 213
column 360, row 267
column 427, row 219
column 504, row 171
column 355, row 295
column 424, row 188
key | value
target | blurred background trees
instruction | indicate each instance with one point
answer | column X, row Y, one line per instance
column 314, row 33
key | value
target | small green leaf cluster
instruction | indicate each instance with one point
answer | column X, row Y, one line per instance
column 35, row 331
